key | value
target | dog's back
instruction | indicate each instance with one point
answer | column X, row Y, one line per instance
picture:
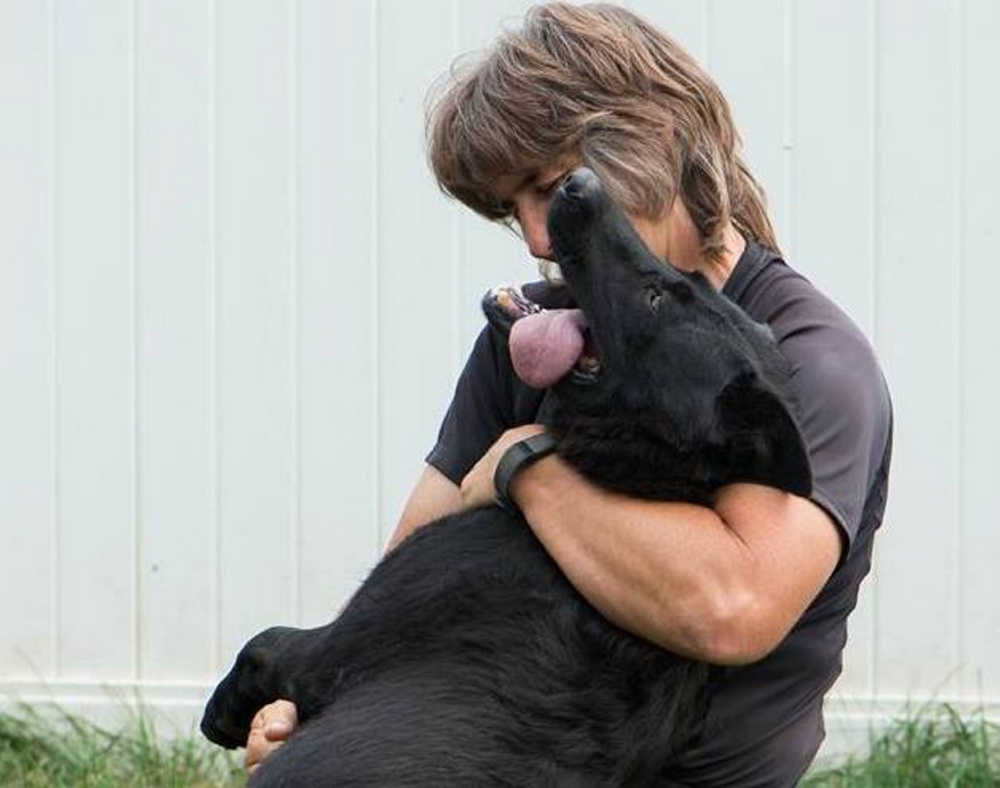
column 499, row 674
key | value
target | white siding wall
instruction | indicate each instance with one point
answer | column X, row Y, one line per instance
column 233, row 306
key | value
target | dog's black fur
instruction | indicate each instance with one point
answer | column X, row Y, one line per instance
column 467, row 658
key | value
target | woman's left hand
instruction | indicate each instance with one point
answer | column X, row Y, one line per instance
column 477, row 486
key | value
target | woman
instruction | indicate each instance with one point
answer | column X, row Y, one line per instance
column 762, row 581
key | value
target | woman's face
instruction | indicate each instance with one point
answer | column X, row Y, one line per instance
column 672, row 236
column 528, row 195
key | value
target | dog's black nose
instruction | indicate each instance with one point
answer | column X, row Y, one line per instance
column 581, row 183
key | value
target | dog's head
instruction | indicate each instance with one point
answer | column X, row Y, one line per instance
column 670, row 391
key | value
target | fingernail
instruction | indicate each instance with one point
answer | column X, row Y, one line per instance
column 277, row 728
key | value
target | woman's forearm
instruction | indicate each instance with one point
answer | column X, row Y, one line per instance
column 673, row 573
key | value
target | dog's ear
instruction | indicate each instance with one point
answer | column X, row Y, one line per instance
column 763, row 441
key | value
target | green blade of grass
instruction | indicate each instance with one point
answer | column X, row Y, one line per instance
column 933, row 748
column 61, row 750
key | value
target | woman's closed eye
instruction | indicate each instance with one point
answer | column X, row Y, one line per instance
column 543, row 190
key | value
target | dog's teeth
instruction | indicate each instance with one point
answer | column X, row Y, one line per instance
column 550, row 271
column 588, row 366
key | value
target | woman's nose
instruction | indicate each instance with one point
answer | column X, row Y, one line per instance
column 532, row 219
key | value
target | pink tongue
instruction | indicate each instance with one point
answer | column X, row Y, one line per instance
column 544, row 346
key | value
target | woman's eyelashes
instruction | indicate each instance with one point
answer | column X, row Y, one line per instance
column 544, row 190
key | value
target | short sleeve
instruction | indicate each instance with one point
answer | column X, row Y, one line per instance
column 488, row 399
column 842, row 402
column 843, row 405
column 845, row 418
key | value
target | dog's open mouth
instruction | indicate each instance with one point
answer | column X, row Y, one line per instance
column 545, row 344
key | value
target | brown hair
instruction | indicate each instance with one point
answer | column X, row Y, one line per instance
column 599, row 83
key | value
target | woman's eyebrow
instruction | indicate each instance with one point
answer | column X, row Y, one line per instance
column 521, row 183
column 530, row 177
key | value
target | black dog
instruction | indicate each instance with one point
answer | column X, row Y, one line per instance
column 467, row 658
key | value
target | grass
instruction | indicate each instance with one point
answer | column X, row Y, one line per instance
column 934, row 748
column 63, row 751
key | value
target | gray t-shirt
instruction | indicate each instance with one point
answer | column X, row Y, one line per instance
column 765, row 721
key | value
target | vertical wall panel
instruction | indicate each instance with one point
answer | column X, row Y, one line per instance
column 338, row 399
column 417, row 244
column 95, row 339
column 27, row 483
column 918, row 260
column 175, row 337
column 751, row 70
column 979, row 214
column 833, row 165
column 255, row 280
column 834, row 202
